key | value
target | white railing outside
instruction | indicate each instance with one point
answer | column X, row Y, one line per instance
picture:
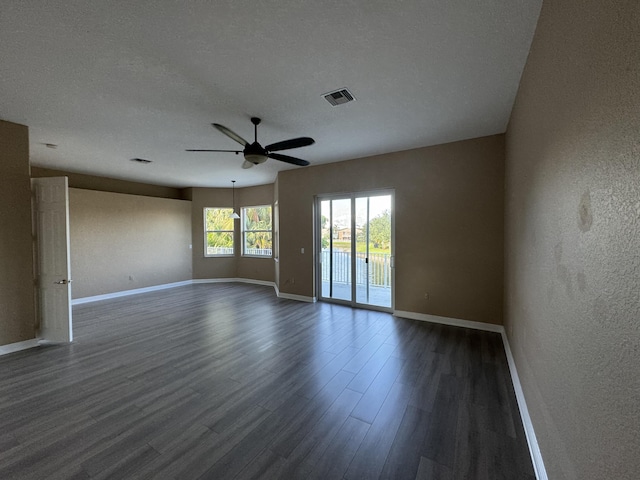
column 263, row 252
column 219, row 250
column 379, row 268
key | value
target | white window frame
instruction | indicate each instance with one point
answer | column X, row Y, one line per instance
column 206, row 232
column 244, row 231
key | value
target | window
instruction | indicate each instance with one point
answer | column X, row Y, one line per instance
column 218, row 232
column 256, row 231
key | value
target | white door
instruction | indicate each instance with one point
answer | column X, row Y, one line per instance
column 53, row 271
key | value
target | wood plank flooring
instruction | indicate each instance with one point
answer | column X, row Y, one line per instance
column 227, row 381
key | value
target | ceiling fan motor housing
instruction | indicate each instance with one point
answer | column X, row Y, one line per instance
column 255, row 154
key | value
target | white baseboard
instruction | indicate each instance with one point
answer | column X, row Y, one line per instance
column 532, row 441
column 454, row 322
column 18, row 346
column 289, row 296
column 234, row 280
column 298, row 298
column 293, row 296
column 124, row 293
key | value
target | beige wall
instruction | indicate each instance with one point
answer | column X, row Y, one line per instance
column 276, row 233
column 104, row 184
column 228, row 267
column 448, row 218
column 573, row 238
column 123, row 242
column 17, row 306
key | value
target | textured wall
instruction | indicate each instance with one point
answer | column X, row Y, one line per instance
column 17, row 306
column 122, row 242
column 573, row 238
column 448, row 220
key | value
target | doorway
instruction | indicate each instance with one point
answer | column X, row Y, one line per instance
column 355, row 245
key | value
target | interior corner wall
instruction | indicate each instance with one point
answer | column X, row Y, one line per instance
column 572, row 274
column 17, row 304
column 250, row 267
column 449, row 203
column 123, row 242
column 236, row 266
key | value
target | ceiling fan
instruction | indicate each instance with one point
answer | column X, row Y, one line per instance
column 255, row 154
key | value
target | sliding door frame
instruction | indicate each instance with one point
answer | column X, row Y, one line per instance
column 318, row 247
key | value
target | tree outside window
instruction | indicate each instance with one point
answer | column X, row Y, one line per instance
column 257, row 231
column 218, row 227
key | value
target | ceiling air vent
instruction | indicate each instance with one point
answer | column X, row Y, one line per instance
column 140, row 160
column 339, row 97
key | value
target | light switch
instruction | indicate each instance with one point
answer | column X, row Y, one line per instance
column 302, row 250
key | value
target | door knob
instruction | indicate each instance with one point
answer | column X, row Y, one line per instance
column 63, row 282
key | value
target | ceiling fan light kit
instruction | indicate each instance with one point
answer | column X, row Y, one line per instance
column 256, row 158
column 255, row 154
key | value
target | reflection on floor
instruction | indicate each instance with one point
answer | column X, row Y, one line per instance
column 227, row 381
column 378, row 296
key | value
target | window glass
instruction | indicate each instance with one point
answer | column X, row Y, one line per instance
column 257, row 231
column 218, row 232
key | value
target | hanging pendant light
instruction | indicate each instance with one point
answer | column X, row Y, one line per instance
column 234, row 215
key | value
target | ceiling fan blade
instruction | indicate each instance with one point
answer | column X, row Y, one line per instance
column 231, row 134
column 288, row 159
column 246, row 165
column 287, row 144
column 201, row 150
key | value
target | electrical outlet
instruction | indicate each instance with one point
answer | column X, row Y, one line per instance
column 293, row 280
column 426, row 296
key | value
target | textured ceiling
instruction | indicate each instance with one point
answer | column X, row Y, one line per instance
column 108, row 81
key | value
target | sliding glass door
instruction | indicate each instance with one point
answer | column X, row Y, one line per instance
column 336, row 249
column 355, row 246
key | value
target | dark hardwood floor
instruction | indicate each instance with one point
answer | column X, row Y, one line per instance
column 225, row 381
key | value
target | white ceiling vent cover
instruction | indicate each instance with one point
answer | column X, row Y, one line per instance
column 339, row 97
